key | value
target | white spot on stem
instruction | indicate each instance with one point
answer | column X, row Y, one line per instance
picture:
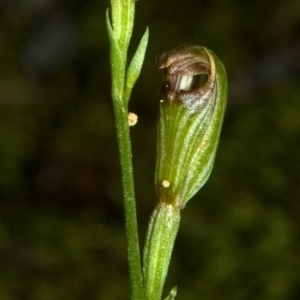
column 132, row 119
column 165, row 183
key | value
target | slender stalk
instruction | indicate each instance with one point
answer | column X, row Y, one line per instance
column 160, row 241
column 123, row 135
column 123, row 80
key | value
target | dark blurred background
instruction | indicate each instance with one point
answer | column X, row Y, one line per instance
column 61, row 215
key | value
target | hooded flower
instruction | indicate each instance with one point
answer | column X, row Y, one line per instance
column 192, row 105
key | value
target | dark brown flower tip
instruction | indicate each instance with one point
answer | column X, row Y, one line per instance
column 189, row 74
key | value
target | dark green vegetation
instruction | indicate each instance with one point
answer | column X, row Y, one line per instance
column 61, row 217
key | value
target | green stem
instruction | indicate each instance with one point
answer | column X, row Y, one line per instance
column 160, row 241
column 134, row 259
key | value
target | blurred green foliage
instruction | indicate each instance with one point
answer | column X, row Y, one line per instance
column 61, row 215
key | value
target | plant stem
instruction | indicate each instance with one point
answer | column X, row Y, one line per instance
column 123, row 80
column 160, row 241
column 134, row 260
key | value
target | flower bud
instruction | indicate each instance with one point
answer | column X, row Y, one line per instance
column 192, row 106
